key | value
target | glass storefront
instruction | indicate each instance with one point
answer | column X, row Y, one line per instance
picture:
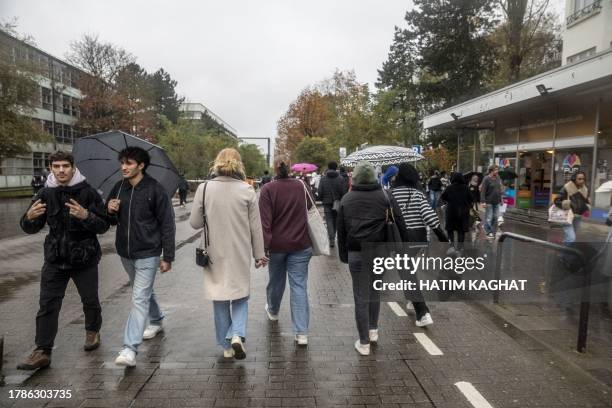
column 534, row 179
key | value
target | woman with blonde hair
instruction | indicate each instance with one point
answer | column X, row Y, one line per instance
column 226, row 206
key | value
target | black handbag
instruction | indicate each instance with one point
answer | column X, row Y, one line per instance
column 202, row 256
column 392, row 234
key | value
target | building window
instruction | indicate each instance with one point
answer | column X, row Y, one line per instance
column 583, row 9
column 46, row 98
column 48, row 126
column 66, row 105
column 581, row 55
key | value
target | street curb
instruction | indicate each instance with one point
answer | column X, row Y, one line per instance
column 558, row 360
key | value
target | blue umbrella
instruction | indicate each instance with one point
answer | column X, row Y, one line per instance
column 96, row 157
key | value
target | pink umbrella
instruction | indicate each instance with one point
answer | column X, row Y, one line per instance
column 304, row 167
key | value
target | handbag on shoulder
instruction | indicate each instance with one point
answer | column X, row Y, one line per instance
column 202, row 256
column 316, row 228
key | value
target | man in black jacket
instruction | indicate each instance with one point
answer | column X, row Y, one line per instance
column 143, row 213
column 75, row 213
column 331, row 189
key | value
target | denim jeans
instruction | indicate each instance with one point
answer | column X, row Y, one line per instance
column 231, row 318
column 569, row 231
column 367, row 299
column 491, row 215
column 145, row 308
column 331, row 217
column 434, row 196
column 294, row 265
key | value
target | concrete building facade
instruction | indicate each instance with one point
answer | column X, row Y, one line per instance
column 56, row 112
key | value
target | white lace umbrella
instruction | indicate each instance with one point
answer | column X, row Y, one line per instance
column 382, row 156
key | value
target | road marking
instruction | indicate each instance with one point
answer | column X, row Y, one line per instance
column 397, row 309
column 472, row 395
column 428, row 345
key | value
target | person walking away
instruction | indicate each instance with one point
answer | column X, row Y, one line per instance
column 491, row 197
column 142, row 211
column 37, row 183
column 458, row 200
column 345, row 178
column 283, row 205
column 474, row 187
column 434, row 186
column 444, row 180
column 388, row 177
column 417, row 215
column 331, row 190
column 361, row 218
column 574, row 195
column 183, row 189
column 265, row 179
column 234, row 235
column 75, row 214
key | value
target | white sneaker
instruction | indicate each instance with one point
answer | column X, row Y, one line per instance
column 151, row 331
column 126, row 357
column 426, row 320
column 229, row 353
column 271, row 316
column 239, row 350
column 373, row 336
column 301, row 339
column 363, row 349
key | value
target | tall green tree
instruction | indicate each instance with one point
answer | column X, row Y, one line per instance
column 253, row 159
column 166, row 100
column 315, row 150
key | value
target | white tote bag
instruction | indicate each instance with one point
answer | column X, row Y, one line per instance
column 558, row 216
column 316, row 228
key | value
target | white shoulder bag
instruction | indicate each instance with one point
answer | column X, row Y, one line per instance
column 316, row 228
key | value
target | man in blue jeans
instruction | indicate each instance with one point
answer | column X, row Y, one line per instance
column 142, row 211
column 491, row 197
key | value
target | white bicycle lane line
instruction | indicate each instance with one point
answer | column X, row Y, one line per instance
column 467, row 389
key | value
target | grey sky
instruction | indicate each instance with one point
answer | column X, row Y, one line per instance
column 245, row 60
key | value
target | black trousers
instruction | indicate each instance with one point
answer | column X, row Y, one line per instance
column 53, row 283
column 331, row 217
column 367, row 299
column 182, row 197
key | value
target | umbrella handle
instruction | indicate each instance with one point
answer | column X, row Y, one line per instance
column 119, row 192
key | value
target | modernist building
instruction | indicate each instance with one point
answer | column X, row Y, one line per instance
column 546, row 127
column 197, row 111
column 56, row 113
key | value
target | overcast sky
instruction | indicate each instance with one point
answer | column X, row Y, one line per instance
column 245, row 60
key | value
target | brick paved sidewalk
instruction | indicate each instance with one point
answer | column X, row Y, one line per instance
column 183, row 367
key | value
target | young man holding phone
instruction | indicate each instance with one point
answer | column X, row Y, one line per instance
column 143, row 213
column 75, row 213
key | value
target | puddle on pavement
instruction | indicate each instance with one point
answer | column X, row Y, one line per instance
column 8, row 288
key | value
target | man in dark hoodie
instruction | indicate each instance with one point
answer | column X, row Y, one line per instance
column 75, row 213
column 331, row 189
column 143, row 213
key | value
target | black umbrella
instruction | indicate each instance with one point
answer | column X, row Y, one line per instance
column 96, row 157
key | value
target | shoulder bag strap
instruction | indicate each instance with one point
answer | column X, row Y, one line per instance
column 205, row 229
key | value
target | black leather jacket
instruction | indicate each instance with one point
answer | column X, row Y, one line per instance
column 145, row 222
column 331, row 187
column 71, row 243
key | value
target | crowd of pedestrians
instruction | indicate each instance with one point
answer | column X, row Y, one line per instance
column 240, row 228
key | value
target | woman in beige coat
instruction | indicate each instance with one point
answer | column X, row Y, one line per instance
column 235, row 237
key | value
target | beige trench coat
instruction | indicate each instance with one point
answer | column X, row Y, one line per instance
column 235, row 238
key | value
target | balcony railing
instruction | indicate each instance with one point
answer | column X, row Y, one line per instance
column 584, row 12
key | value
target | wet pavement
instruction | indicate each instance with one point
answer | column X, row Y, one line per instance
column 11, row 210
column 500, row 356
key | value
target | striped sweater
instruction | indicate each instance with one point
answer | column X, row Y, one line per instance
column 415, row 208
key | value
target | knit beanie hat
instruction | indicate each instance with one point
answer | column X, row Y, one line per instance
column 364, row 173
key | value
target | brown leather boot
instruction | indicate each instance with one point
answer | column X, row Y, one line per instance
column 38, row 359
column 92, row 340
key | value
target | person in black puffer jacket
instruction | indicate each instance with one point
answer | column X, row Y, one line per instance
column 361, row 218
column 331, row 188
column 75, row 213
